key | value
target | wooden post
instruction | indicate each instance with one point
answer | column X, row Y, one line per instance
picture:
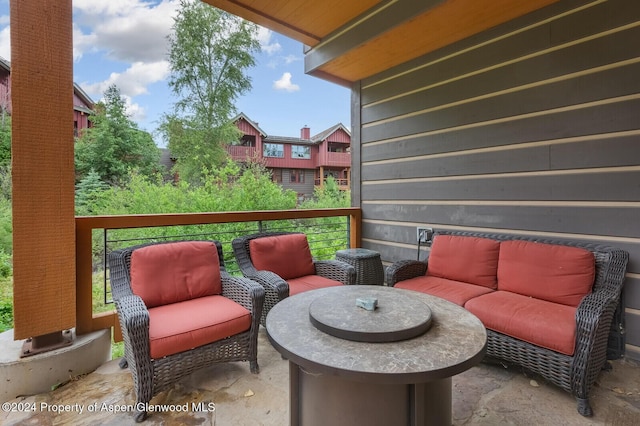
column 43, row 167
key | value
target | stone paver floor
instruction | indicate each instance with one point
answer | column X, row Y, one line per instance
column 485, row 395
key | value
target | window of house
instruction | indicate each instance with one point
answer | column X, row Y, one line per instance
column 273, row 150
column 276, row 175
column 297, row 176
column 300, row 151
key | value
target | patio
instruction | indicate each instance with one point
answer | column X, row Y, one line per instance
column 485, row 395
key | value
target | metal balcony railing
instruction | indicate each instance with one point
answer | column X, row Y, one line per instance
column 328, row 230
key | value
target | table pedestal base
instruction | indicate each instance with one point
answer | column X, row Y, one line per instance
column 320, row 399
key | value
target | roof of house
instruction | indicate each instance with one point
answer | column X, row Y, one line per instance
column 250, row 121
column 314, row 140
column 325, row 134
column 89, row 104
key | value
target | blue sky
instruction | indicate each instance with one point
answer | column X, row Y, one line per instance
column 123, row 42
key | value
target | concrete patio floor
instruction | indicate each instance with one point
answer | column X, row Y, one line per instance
column 485, row 395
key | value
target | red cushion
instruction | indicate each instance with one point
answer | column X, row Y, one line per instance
column 453, row 291
column 309, row 282
column 467, row 259
column 550, row 272
column 186, row 325
column 288, row 256
column 546, row 324
column 174, row 272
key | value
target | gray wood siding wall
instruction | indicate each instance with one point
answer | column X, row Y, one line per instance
column 530, row 128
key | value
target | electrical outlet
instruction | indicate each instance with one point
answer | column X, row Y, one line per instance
column 424, row 234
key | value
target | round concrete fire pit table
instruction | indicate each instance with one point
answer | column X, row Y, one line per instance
column 338, row 381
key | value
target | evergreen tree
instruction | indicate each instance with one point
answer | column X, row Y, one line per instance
column 114, row 146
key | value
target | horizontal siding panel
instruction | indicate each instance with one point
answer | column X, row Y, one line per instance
column 610, row 186
column 632, row 292
column 572, row 120
column 621, row 116
column 615, row 222
column 633, row 329
column 610, row 152
column 533, row 72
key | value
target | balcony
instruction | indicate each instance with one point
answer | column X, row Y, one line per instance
column 241, row 153
column 338, row 159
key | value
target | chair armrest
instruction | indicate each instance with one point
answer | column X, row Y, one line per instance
column 336, row 270
column 243, row 291
column 271, row 282
column 404, row 270
column 134, row 322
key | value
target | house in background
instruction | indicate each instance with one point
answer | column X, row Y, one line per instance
column 83, row 106
column 298, row 164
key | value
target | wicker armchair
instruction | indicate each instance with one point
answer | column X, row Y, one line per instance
column 274, row 271
column 575, row 374
column 163, row 292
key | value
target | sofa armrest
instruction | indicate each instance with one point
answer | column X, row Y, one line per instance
column 336, row 270
column 593, row 320
column 404, row 270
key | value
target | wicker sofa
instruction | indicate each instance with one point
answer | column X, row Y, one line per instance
column 547, row 304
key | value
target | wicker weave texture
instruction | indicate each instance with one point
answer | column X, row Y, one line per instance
column 575, row 374
column 368, row 265
column 151, row 376
column 275, row 287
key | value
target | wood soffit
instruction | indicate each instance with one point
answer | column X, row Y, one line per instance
column 351, row 40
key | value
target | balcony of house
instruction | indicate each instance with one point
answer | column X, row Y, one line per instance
column 337, row 159
column 241, row 152
column 343, row 183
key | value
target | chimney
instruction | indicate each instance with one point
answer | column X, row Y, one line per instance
column 305, row 133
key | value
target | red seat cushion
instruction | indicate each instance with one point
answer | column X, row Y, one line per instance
column 453, row 291
column 546, row 324
column 467, row 259
column 288, row 256
column 549, row 272
column 186, row 325
column 174, row 272
column 309, row 282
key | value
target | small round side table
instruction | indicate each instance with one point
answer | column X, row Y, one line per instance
column 368, row 265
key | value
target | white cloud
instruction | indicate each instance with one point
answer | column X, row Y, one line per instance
column 284, row 83
column 266, row 45
column 291, row 58
column 5, row 43
column 133, row 81
column 127, row 30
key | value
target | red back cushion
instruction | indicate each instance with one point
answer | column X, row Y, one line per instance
column 468, row 259
column 288, row 256
column 555, row 273
column 168, row 273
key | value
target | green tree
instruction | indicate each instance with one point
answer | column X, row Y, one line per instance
column 114, row 145
column 209, row 52
column 5, row 139
column 89, row 191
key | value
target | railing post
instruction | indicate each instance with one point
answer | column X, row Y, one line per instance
column 84, row 272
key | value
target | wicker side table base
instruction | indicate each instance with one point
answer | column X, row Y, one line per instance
column 367, row 263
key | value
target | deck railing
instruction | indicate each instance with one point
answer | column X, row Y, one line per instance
column 92, row 228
